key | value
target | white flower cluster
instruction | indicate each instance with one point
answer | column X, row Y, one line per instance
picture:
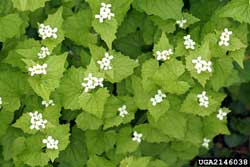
column 44, row 52
column 105, row 12
column 158, row 98
column 37, row 121
column 202, row 65
column 48, row 103
column 46, row 31
column 188, row 42
column 206, row 143
column 91, row 82
column 225, row 37
column 51, row 143
column 137, row 137
column 105, row 63
column 203, row 99
column 1, row 102
column 221, row 114
column 164, row 55
column 123, row 111
column 38, row 69
column 181, row 22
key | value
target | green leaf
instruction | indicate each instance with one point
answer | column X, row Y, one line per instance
column 88, row 121
column 212, row 126
column 11, row 25
column 45, row 84
column 172, row 124
column 159, row 110
column 94, row 102
column 190, row 19
column 70, row 88
column 125, row 144
column 191, row 103
column 76, row 152
column 111, row 113
column 166, row 9
column 13, row 85
column 168, row 76
column 194, row 132
column 151, row 134
column 237, row 9
column 55, row 20
column 31, row 5
column 122, row 67
column 96, row 161
column 6, row 119
column 77, row 30
column 100, row 141
column 238, row 56
column 223, row 67
column 120, row 9
column 135, row 161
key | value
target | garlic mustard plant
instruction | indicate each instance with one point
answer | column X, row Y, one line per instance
column 137, row 137
column 48, row 103
column 202, row 65
column 123, row 111
column 206, row 143
column 90, row 82
column 46, row 31
column 105, row 63
column 158, row 98
column 164, row 55
column 188, row 42
column 220, row 115
column 44, row 52
column 51, row 143
column 105, row 12
column 38, row 69
column 181, row 22
column 225, row 37
column 37, row 121
column 203, row 99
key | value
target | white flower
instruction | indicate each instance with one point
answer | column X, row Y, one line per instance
column 164, row 55
column 91, row 82
column 123, row 111
column 44, row 52
column 181, row 22
column 37, row 121
column 105, row 12
column 206, row 143
column 48, row 103
column 158, row 98
column 51, row 143
column 188, row 42
column 203, row 99
column 105, row 63
column 221, row 114
column 225, row 37
column 38, row 69
column 202, row 65
column 137, row 137
column 46, row 31
column 1, row 102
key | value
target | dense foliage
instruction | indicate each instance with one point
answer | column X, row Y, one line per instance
column 129, row 83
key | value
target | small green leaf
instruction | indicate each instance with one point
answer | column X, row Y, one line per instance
column 31, row 5
column 94, row 102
